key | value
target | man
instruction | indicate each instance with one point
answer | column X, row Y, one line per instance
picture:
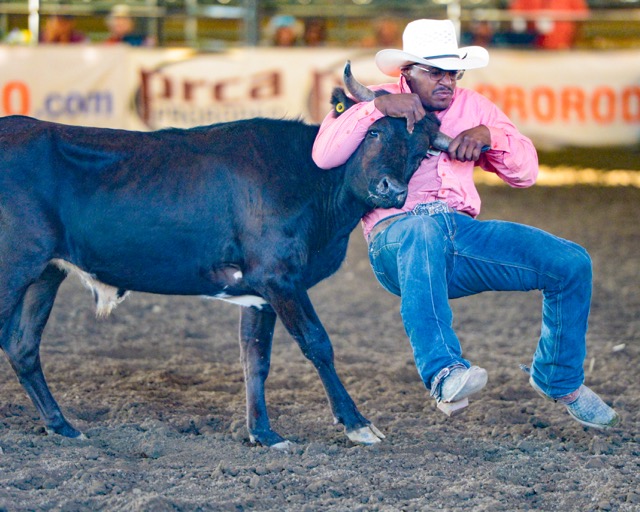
column 61, row 29
column 434, row 249
column 122, row 28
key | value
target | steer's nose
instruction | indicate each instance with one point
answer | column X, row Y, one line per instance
column 391, row 191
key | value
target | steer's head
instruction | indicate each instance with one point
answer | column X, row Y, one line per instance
column 381, row 167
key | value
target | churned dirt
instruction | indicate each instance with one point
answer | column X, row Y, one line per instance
column 158, row 390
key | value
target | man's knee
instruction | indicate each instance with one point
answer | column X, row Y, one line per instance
column 573, row 268
column 579, row 265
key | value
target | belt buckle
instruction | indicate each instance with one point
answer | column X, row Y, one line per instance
column 430, row 208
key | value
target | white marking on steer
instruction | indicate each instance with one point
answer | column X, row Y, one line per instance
column 246, row 301
column 106, row 296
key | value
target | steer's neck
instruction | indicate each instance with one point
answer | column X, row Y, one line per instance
column 341, row 209
column 336, row 213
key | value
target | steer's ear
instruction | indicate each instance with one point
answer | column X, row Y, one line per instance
column 340, row 101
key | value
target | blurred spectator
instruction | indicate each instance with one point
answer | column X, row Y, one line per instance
column 387, row 33
column 548, row 33
column 315, row 32
column 481, row 34
column 485, row 33
column 284, row 30
column 61, row 28
column 122, row 28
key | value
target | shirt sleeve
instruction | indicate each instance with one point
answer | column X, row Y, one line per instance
column 512, row 156
column 339, row 136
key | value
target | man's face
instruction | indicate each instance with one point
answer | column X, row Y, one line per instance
column 434, row 85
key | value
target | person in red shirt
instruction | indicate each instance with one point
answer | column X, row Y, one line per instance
column 61, row 29
column 435, row 249
column 550, row 33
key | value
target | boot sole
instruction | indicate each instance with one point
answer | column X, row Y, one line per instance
column 453, row 408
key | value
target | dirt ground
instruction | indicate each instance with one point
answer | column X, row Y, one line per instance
column 158, row 390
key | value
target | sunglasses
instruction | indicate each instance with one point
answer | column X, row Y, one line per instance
column 437, row 74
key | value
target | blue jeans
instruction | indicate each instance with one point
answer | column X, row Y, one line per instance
column 429, row 259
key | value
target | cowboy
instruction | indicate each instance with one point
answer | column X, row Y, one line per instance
column 435, row 249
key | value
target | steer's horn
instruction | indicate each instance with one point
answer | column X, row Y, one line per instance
column 441, row 141
column 359, row 91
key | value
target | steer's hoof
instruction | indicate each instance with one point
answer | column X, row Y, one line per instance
column 365, row 435
column 78, row 435
column 272, row 441
column 284, row 446
column 66, row 430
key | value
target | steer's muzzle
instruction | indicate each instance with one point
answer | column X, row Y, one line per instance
column 390, row 194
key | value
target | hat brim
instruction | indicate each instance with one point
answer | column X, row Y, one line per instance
column 390, row 62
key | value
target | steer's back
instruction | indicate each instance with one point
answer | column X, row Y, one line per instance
column 104, row 156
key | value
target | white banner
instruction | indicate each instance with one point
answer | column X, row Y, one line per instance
column 258, row 82
column 573, row 98
column 68, row 84
column 75, row 84
column 557, row 98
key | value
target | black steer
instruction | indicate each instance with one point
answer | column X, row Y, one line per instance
column 236, row 211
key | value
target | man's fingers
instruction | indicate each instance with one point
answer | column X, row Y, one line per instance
column 469, row 145
column 401, row 105
column 453, row 148
column 410, row 123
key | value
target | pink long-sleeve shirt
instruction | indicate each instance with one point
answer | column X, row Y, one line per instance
column 512, row 155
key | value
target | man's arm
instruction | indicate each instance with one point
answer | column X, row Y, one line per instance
column 339, row 136
column 512, row 156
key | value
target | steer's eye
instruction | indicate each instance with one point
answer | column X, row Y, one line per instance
column 373, row 133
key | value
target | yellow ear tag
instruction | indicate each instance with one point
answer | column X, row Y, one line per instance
column 340, row 108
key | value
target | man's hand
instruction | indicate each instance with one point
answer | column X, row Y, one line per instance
column 467, row 146
column 408, row 106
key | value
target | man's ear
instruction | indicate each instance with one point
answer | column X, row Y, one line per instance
column 406, row 73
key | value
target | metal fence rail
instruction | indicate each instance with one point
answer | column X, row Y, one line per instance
column 216, row 24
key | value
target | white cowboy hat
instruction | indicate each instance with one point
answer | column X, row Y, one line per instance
column 434, row 43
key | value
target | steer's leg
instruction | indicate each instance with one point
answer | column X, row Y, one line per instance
column 256, row 335
column 20, row 340
column 298, row 316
